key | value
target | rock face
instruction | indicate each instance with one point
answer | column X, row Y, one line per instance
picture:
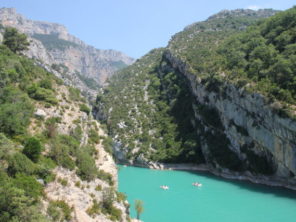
column 190, row 111
column 77, row 193
column 82, row 65
column 257, row 138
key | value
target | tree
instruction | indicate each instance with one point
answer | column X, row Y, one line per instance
column 86, row 165
column 15, row 205
column 32, row 149
column 14, row 40
column 20, row 163
column 15, row 111
column 139, row 208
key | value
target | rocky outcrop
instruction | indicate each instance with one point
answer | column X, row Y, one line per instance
column 67, row 186
column 79, row 64
column 249, row 134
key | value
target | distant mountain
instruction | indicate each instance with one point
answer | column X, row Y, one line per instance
column 78, row 63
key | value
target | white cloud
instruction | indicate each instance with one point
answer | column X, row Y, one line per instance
column 254, row 7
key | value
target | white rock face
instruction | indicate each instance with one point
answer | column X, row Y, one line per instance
column 264, row 131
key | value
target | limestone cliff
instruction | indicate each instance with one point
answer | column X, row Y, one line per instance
column 82, row 65
column 189, row 103
column 260, row 140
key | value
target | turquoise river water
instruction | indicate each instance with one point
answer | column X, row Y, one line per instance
column 217, row 200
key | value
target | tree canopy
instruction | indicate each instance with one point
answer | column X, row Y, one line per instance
column 14, row 40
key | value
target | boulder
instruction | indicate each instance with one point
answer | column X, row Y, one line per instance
column 40, row 113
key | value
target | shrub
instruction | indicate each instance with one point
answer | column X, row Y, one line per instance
column 59, row 211
column 86, row 166
column 93, row 136
column 42, row 94
column 19, row 163
column 74, row 94
column 15, row 205
column 32, row 149
column 7, row 147
column 115, row 213
column 29, row 184
column 14, row 40
column 44, row 170
column 106, row 177
column 77, row 133
column 15, row 111
column 98, row 187
column 62, row 181
column 46, row 83
column 94, row 209
column 121, row 197
column 60, row 154
column 84, row 108
column 107, row 144
column 77, row 183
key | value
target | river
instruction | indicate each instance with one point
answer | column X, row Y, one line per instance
column 217, row 199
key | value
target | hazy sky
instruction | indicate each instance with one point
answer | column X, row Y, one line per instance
column 131, row 26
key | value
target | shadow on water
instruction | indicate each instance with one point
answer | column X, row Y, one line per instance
column 259, row 188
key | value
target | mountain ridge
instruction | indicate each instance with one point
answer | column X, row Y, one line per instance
column 54, row 46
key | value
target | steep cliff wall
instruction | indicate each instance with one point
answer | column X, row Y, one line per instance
column 249, row 131
column 217, row 96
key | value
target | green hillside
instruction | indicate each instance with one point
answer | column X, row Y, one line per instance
column 40, row 129
column 149, row 107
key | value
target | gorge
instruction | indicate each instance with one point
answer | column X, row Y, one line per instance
column 200, row 100
column 220, row 97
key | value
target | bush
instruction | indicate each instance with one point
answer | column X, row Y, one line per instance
column 16, row 206
column 121, row 197
column 46, row 83
column 59, row 211
column 94, row 209
column 7, row 147
column 74, row 94
column 87, row 169
column 77, row 133
column 107, row 205
column 106, row 177
column 115, row 213
column 44, row 170
column 60, row 154
column 19, row 163
column 14, row 40
column 15, row 111
column 63, row 182
column 32, row 149
column 29, row 184
column 42, row 94
column 98, row 187
column 107, row 144
column 93, row 136
column 84, row 108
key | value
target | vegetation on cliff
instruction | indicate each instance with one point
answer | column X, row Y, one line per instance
column 43, row 124
column 151, row 112
column 265, row 55
column 149, row 109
